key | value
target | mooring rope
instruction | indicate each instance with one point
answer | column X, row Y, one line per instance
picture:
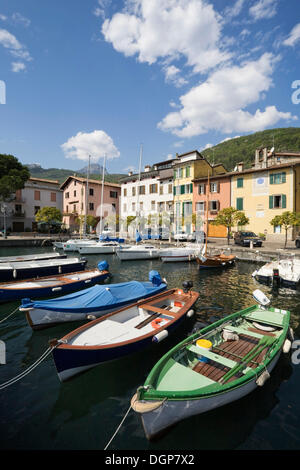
column 28, row 370
column 3, row 319
column 118, row 428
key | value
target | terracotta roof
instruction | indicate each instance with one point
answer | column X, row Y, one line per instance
column 43, row 180
column 83, row 180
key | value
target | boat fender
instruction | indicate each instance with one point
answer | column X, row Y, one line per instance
column 290, row 334
column 156, row 323
column 59, row 269
column 263, row 378
column 230, row 336
column 14, row 273
column 262, row 327
column 160, row 336
column 91, row 317
column 190, row 313
column 144, row 406
column 55, row 289
column 286, row 346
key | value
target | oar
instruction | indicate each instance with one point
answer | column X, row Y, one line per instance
column 266, row 341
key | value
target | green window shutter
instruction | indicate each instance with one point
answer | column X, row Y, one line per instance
column 271, row 179
column 271, row 203
column 283, row 177
column 239, row 204
column 180, row 172
column 191, row 187
column 283, row 200
column 182, row 189
column 174, row 190
column 240, row 182
column 175, row 174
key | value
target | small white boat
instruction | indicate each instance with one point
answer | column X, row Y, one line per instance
column 33, row 257
column 58, row 245
column 168, row 255
column 73, row 245
column 285, row 272
column 134, row 252
column 98, row 248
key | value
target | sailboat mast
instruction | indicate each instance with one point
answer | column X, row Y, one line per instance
column 138, row 187
column 102, row 195
column 86, row 196
column 207, row 202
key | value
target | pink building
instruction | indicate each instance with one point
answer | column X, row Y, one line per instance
column 74, row 200
column 217, row 195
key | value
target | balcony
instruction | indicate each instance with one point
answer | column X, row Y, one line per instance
column 18, row 214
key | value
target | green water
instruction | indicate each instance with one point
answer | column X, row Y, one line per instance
column 39, row 412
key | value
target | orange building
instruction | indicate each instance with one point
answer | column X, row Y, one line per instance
column 210, row 198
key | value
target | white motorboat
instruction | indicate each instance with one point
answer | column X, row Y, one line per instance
column 137, row 252
column 284, row 272
column 73, row 245
column 168, row 255
column 98, row 248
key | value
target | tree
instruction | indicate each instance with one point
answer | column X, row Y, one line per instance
column 13, row 175
column 48, row 215
column 286, row 220
column 230, row 217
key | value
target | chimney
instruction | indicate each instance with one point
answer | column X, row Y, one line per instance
column 147, row 168
column 240, row 166
column 257, row 153
column 265, row 157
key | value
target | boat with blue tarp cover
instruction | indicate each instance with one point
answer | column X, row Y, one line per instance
column 90, row 303
column 50, row 286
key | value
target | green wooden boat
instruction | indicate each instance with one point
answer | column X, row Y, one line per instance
column 244, row 347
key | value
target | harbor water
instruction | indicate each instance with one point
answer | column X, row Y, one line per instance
column 41, row 413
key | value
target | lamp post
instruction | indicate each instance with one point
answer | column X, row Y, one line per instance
column 3, row 210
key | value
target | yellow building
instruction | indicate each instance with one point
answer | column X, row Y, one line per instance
column 187, row 167
column 269, row 188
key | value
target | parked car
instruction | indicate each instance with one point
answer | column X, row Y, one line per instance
column 244, row 239
column 297, row 242
column 181, row 236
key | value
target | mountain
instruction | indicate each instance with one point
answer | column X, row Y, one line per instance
column 242, row 149
column 36, row 171
column 95, row 169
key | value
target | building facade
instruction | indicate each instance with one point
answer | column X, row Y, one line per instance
column 36, row 194
column 80, row 198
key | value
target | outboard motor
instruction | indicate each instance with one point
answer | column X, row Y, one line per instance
column 187, row 285
column 276, row 278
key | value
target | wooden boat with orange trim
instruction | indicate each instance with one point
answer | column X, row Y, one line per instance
column 215, row 261
column 125, row 331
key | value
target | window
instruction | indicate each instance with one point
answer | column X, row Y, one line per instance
column 153, row 188
column 214, row 188
column 114, row 194
column 277, row 228
column 141, row 206
column 153, row 205
column 201, row 188
column 37, row 195
column 91, row 190
column 75, row 208
column 67, row 195
column 67, row 208
column 188, row 172
column 161, row 207
column 277, row 201
column 239, row 203
column 240, row 182
column 133, row 191
column 169, row 205
column 53, row 197
column 133, row 206
column 113, row 206
column 75, row 182
column 161, row 189
column 200, row 206
column 142, row 190
column 74, row 193
column 213, row 206
column 170, row 188
column 36, row 209
column 125, row 192
column 91, row 206
column 187, row 208
column 124, row 207
column 278, row 178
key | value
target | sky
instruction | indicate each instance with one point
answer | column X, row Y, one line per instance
column 143, row 77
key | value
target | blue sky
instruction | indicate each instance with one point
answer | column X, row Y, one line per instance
column 101, row 77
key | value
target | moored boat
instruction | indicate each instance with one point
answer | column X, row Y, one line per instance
column 215, row 366
column 30, row 269
column 169, row 255
column 215, row 261
column 122, row 332
column 89, row 303
column 48, row 286
column 136, row 252
column 99, row 248
column 32, row 257
column 281, row 273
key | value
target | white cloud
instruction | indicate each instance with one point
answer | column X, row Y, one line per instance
column 219, row 103
column 20, row 19
column 172, row 76
column 10, row 42
column 293, row 37
column 168, row 29
column 234, row 10
column 230, row 138
column 18, row 66
column 97, row 144
column 208, row 146
column 178, row 144
column 263, row 9
column 3, row 17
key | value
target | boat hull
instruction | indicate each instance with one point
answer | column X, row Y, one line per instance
column 173, row 411
column 11, row 294
column 215, row 262
column 89, row 250
column 40, row 271
column 136, row 255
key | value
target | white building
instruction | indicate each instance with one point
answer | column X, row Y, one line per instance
column 36, row 194
column 149, row 196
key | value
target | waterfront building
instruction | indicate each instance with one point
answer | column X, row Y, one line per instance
column 80, row 198
column 36, row 194
column 189, row 167
column 267, row 189
column 148, row 195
